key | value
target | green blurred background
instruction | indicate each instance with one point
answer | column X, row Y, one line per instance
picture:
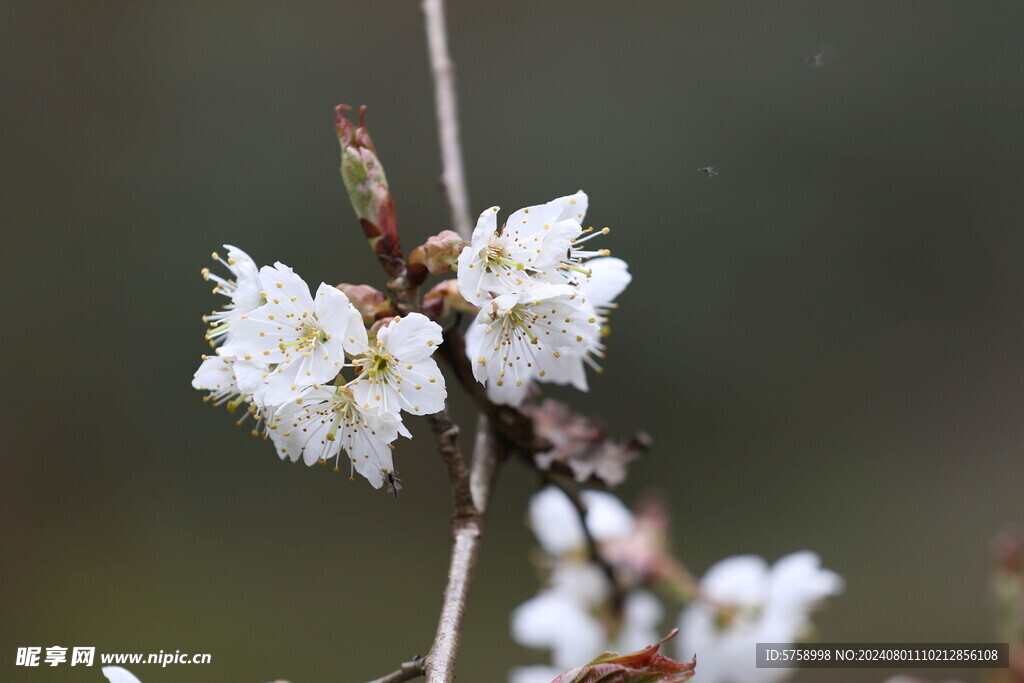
column 825, row 340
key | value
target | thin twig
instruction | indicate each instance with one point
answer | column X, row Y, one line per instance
column 485, row 464
column 466, row 532
column 446, row 432
column 467, row 528
column 408, row 671
column 453, row 176
column 471, row 486
column 572, row 492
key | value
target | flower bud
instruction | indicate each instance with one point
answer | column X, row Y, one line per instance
column 444, row 298
column 370, row 302
column 367, row 187
column 437, row 255
column 376, row 327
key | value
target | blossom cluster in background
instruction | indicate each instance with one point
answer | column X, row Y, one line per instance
column 739, row 602
column 307, row 368
column 543, row 295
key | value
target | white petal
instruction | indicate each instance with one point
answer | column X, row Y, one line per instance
column 551, row 620
column 567, row 368
column 474, row 347
column 740, row 580
column 366, row 441
column 288, row 381
column 117, row 674
column 572, row 207
column 412, row 337
column 215, row 374
column 583, row 582
column 332, row 309
column 471, row 260
column 608, row 517
column 423, row 390
column 511, row 392
column 356, row 341
column 533, row 674
column 249, row 376
column 797, row 583
column 609, row 276
column 555, row 522
column 280, row 281
column 246, row 295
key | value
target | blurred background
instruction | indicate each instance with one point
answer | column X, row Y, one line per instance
column 825, row 340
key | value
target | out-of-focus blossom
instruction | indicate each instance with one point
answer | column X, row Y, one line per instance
column 573, row 616
column 556, row 523
column 742, row 602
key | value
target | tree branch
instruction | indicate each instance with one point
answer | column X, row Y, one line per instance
column 408, row 671
column 485, row 464
column 466, row 532
column 453, row 176
column 446, row 432
column 467, row 529
column 572, row 492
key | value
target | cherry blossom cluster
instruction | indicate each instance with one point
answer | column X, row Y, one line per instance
column 543, row 294
column 322, row 385
column 569, row 616
column 739, row 602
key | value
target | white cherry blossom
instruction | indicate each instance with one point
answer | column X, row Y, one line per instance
column 744, row 602
column 575, row 260
column 565, row 617
column 559, row 621
column 397, row 371
column 513, row 332
column 533, row 243
column 553, row 620
column 227, row 380
column 537, row 673
column 302, row 337
column 327, row 421
column 216, row 375
column 556, row 523
column 242, row 288
column 607, row 278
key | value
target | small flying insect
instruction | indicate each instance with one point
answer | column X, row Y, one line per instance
column 708, row 171
column 393, row 482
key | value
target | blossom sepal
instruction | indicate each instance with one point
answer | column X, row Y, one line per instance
column 439, row 254
column 645, row 666
column 367, row 187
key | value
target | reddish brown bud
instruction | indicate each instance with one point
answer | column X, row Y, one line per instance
column 444, row 298
column 367, row 187
column 437, row 255
column 383, row 322
column 370, row 302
